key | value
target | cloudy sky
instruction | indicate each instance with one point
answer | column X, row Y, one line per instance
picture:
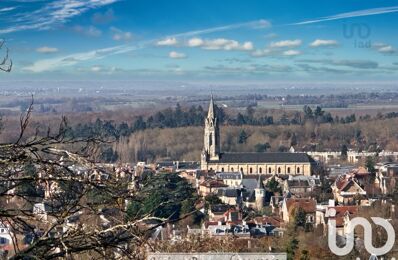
column 201, row 40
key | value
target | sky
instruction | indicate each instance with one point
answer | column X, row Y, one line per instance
column 201, row 40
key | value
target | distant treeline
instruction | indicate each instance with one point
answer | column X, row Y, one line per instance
column 195, row 115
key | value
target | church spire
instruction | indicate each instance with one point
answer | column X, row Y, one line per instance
column 212, row 133
column 211, row 114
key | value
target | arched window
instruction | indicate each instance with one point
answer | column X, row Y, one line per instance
column 298, row 169
column 288, row 169
column 279, row 169
column 241, row 169
column 211, row 168
column 269, row 170
column 222, row 169
column 232, row 169
column 260, row 170
column 251, row 170
column 211, row 139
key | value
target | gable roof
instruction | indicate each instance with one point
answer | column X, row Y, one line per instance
column 267, row 157
column 308, row 205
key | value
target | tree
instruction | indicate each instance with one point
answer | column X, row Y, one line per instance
column 261, row 148
column 273, row 186
column 370, row 165
column 344, row 152
column 242, row 138
column 299, row 217
column 5, row 61
column 84, row 200
column 164, row 196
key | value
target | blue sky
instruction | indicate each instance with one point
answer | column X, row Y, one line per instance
column 201, row 40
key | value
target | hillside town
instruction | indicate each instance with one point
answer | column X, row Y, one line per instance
column 245, row 196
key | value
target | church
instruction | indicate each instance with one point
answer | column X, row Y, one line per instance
column 212, row 159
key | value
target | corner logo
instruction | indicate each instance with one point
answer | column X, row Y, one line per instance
column 347, row 248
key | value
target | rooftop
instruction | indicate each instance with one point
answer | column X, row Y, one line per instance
column 268, row 157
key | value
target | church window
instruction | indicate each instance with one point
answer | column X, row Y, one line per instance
column 260, row 170
column 288, row 169
column 251, row 170
column 298, row 169
column 211, row 139
column 279, row 169
column 269, row 170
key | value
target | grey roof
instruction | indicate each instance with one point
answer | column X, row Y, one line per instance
column 229, row 175
column 249, row 184
column 219, row 208
column 226, row 192
column 268, row 157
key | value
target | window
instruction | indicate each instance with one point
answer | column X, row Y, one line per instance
column 211, row 168
column 269, row 170
column 232, row 169
column 288, row 169
column 222, row 169
column 260, row 170
column 298, row 169
column 251, row 170
column 279, row 169
column 241, row 169
column 210, row 139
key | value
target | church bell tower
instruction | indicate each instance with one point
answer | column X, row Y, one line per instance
column 211, row 148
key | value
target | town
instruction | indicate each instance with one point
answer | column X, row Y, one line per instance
column 250, row 199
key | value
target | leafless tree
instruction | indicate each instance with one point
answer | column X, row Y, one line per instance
column 6, row 61
column 57, row 203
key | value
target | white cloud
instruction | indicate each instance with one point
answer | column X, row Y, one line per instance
column 195, row 42
column 286, row 43
column 72, row 59
column 91, row 31
column 291, row 53
column 167, row 42
column 365, row 12
column 384, row 48
column 7, row 9
column 46, row 15
column 46, row 49
column 177, row 55
column 96, row 68
column 261, row 53
column 257, row 24
column 119, row 35
column 220, row 44
column 320, row 43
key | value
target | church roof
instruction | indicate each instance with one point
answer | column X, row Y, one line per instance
column 268, row 157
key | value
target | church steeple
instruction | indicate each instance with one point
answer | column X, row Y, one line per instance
column 210, row 113
column 211, row 148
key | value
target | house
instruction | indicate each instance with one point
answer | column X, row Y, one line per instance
column 232, row 179
column 387, row 177
column 5, row 235
column 290, row 205
column 301, row 185
column 216, row 212
column 229, row 196
column 224, row 228
column 276, row 203
column 346, row 190
column 210, row 187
